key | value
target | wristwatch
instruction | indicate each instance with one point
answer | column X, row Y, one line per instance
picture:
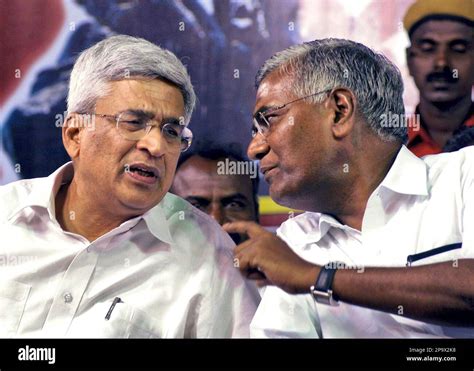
column 322, row 289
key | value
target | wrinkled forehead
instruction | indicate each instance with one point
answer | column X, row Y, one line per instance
column 277, row 85
column 152, row 96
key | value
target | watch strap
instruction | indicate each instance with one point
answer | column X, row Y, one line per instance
column 322, row 289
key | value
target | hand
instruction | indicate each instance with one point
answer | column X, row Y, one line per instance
column 266, row 258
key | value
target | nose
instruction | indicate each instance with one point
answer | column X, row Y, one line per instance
column 258, row 147
column 218, row 214
column 153, row 142
column 441, row 59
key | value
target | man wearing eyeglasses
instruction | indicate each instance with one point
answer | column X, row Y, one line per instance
column 385, row 248
column 99, row 248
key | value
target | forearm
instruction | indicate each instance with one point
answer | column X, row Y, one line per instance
column 440, row 293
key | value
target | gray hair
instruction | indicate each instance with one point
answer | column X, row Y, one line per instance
column 120, row 57
column 329, row 63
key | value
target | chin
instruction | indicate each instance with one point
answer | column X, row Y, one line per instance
column 139, row 204
column 140, row 198
column 282, row 198
column 294, row 196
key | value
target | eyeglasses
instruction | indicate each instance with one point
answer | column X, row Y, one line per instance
column 134, row 126
column 261, row 124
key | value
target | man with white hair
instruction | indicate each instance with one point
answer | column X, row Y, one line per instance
column 385, row 248
column 99, row 248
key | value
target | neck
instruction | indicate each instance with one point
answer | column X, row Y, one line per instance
column 368, row 172
column 81, row 215
column 442, row 119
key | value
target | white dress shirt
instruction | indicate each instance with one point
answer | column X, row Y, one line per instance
column 421, row 204
column 172, row 268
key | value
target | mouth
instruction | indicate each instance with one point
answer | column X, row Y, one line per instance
column 441, row 79
column 267, row 170
column 143, row 173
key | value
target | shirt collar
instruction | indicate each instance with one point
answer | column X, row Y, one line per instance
column 418, row 135
column 309, row 227
column 408, row 175
column 157, row 223
column 43, row 192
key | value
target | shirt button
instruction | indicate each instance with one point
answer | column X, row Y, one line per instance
column 67, row 297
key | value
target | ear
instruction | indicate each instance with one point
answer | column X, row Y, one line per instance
column 71, row 133
column 343, row 103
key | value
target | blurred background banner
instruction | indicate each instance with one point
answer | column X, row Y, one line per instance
column 222, row 43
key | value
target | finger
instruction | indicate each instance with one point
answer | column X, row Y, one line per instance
column 239, row 249
column 242, row 263
column 249, row 228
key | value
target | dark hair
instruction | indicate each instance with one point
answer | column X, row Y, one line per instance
column 217, row 151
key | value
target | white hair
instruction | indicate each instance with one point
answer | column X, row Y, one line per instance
column 120, row 57
column 329, row 63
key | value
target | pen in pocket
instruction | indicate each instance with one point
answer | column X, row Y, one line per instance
column 114, row 303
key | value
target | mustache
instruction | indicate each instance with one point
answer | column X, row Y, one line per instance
column 443, row 75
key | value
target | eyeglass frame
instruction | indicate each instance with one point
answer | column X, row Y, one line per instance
column 116, row 117
column 256, row 124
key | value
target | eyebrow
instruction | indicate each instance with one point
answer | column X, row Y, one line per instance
column 205, row 201
column 426, row 40
column 237, row 196
column 151, row 115
column 140, row 112
column 433, row 41
column 267, row 108
column 459, row 41
column 201, row 200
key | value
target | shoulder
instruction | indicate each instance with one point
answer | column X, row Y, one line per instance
column 295, row 230
column 12, row 195
column 456, row 168
column 205, row 250
column 464, row 156
column 191, row 226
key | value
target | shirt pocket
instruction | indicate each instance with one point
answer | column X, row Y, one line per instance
column 13, row 297
column 440, row 254
column 127, row 321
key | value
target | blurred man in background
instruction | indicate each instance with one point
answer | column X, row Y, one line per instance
column 220, row 181
column 441, row 61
